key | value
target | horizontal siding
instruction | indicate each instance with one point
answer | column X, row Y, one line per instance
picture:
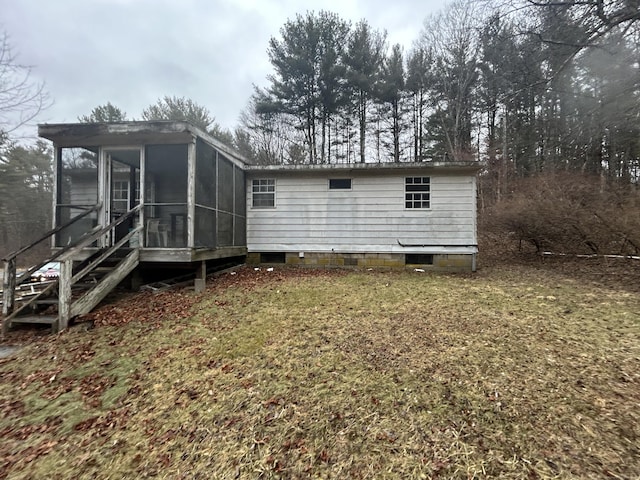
column 83, row 193
column 369, row 217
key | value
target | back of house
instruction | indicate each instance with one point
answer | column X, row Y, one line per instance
column 383, row 214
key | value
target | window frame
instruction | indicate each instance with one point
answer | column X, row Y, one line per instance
column 270, row 189
column 120, row 195
column 419, row 194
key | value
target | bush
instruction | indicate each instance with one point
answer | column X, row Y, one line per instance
column 569, row 213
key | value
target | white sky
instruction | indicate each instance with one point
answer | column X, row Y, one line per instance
column 132, row 52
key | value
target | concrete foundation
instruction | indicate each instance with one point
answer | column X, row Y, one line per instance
column 441, row 262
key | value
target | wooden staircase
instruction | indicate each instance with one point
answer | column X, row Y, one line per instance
column 79, row 288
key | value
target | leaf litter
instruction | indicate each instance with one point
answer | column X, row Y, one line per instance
column 518, row 372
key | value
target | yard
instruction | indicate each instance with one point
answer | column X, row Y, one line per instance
column 519, row 371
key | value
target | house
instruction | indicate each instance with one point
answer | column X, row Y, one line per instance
column 129, row 196
column 382, row 214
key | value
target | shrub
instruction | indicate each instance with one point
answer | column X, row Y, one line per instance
column 569, row 213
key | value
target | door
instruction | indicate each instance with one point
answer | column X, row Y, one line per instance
column 123, row 187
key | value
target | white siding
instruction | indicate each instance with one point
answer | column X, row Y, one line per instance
column 369, row 218
column 84, row 192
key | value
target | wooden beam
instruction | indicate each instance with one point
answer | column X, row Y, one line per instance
column 27, row 304
column 57, row 190
column 9, row 286
column 97, row 232
column 64, row 294
column 90, row 299
column 51, row 232
column 78, row 276
column 191, row 192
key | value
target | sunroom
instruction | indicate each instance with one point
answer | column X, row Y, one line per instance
column 180, row 192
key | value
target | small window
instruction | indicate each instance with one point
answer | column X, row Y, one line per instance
column 417, row 192
column 264, row 193
column 339, row 184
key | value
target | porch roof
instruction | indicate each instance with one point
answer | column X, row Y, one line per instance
column 130, row 133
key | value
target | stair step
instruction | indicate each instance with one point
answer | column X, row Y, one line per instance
column 47, row 301
column 41, row 319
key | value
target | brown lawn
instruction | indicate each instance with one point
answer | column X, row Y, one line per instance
column 521, row 371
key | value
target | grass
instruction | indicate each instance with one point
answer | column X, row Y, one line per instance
column 515, row 372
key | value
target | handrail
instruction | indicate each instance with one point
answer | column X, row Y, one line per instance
column 89, row 239
column 53, row 231
column 48, row 289
column 65, row 254
column 54, row 257
column 107, row 253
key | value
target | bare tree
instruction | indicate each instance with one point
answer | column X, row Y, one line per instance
column 452, row 37
column 271, row 136
column 21, row 99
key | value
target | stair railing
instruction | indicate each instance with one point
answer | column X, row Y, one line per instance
column 11, row 281
column 67, row 279
column 65, row 256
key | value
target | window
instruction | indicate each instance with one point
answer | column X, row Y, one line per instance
column 264, row 193
column 120, row 197
column 417, row 191
column 339, row 184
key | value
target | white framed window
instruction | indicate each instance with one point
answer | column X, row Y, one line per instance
column 417, row 192
column 339, row 184
column 120, row 196
column 263, row 193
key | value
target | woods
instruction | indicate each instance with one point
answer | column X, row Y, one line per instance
column 530, row 87
column 545, row 94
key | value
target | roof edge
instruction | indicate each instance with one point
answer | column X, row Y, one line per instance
column 471, row 167
column 57, row 131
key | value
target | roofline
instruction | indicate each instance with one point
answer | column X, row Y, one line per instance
column 459, row 167
column 83, row 132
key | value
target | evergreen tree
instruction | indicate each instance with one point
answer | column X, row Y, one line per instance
column 104, row 114
column 185, row 109
column 364, row 58
column 390, row 93
column 25, row 193
column 305, row 85
column 419, row 81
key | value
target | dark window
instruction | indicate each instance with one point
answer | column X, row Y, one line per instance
column 339, row 184
column 417, row 192
column 418, row 259
column 264, row 193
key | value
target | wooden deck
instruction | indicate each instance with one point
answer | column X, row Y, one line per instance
column 178, row 255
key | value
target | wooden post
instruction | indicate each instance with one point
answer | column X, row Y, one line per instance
column 201, row 277
column 191, row 194
column 64, row 294
column 9, row 286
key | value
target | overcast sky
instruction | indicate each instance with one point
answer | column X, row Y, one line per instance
column 132, row 52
